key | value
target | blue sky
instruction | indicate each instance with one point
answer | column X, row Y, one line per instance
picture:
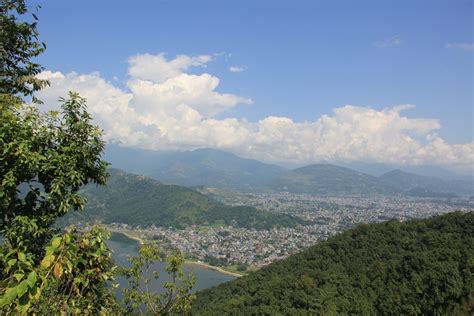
column 300, row 59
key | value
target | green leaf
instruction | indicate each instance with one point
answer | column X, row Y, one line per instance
column 31, row 279
column 22, row 288
column 35, row 293
column 47, row 261
column 56, row 242
column 18, row 276
column 24, row 307
column 11, row 262
column 21, row 257
column 8, row 297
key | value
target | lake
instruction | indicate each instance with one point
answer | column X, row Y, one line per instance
column 124, row 248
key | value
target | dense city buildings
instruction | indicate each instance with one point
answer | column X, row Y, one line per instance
column 325, row 216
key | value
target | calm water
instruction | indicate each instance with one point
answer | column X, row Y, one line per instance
column 125, row 248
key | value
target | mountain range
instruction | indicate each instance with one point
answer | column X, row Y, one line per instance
column 410, row 183
column 327, row 179
column 223, row 170
column 208, row 167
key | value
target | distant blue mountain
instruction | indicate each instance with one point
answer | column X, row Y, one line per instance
column 224, row 170
column 424, row 186
column 135, row 160
column 206, row 167
column 327, row 179
column 378, row 169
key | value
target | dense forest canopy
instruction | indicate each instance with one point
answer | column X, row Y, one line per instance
column 412, row 268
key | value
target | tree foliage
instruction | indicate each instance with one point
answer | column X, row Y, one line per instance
column 139, row 299
column 80, row 265
column 45, row 159
column 421, row 267
column 18, row 45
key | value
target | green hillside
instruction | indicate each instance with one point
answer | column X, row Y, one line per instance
column 327, row 179
column 413, row 268
column 138, row 200
column 417, row 185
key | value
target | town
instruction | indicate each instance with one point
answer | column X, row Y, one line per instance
column 326, row 216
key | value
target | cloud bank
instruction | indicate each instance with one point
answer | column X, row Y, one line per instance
column 164, row 107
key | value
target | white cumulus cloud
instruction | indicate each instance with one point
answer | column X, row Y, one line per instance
column 163, row 107
column 157, row 69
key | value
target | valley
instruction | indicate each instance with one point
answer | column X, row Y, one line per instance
column 240, row 249
column 264, row 213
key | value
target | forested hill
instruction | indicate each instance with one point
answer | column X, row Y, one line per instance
column 141, row 201
column 412, row 268
column 327, row 179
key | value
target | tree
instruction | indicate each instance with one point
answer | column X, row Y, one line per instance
column 45, row 158
column 19, row 43
column 176, row 297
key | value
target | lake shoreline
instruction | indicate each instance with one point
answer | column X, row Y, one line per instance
column 191, row 262
column 208, row 266
column 140, row 241
column 123, row 248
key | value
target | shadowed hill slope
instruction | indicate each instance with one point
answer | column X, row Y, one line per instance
column 141, row 201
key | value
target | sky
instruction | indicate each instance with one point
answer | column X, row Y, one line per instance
column 280, row 81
